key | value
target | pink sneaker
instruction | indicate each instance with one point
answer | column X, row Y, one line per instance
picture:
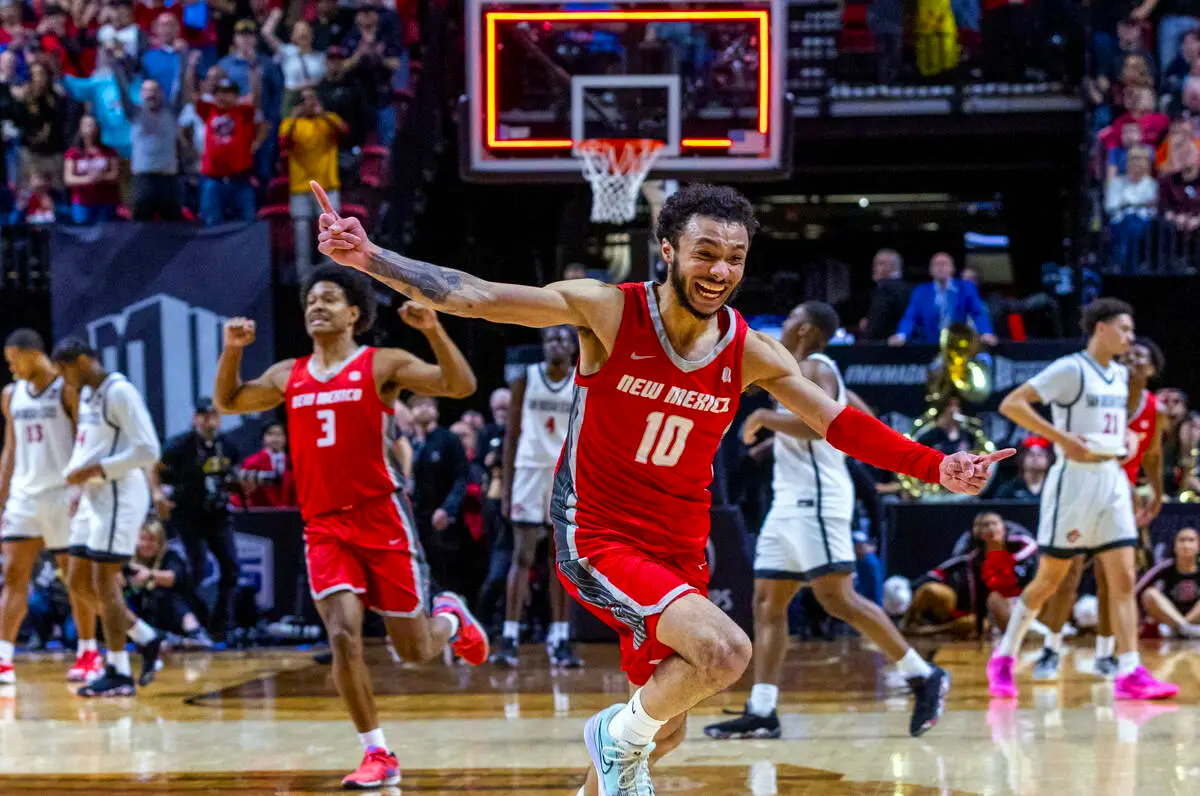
column 1000, row 676
column 1138, row 684
column 89, row 666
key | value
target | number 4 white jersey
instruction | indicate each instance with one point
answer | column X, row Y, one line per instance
column 812, row 474
column 1086, row 399
column 43, row 434
column 545, row 413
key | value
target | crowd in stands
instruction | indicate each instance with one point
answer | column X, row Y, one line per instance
column 1145, row 106
column 185, row 109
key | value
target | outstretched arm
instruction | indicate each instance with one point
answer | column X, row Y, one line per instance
column 784, row 422
column 451, row 376
column 233, row 396
column 8, row 453
column 581, row 303
column 771, row 366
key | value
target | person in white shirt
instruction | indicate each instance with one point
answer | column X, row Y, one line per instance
column 806, row 539
column 1131, row 202
column 115, row 443
column 39, row 421
column 302, row 66
column 539, row 415
column 1086, row 504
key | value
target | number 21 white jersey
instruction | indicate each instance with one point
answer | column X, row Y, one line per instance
column 43, row 434
column 1086, row 399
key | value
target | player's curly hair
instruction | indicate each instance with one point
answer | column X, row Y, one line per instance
column 702, row 199
column 1103, row 310
column 356, row 287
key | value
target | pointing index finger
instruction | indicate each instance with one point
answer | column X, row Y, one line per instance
column 322, row 197
column 999, row 456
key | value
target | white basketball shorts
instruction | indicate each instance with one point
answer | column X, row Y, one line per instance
column 109, row 519
column 797, row 543
column 44, row 516
column 1086, row 508
column 531, row 491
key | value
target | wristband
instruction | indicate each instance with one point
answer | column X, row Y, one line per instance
column 862, row 437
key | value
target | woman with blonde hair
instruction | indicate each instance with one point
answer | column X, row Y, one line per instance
column 157, row 588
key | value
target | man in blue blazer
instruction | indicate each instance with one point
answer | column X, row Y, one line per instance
column 937, row 304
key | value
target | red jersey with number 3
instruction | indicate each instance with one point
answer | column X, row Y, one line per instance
column 339, row 431
column 1142, row 424
column 644, row 430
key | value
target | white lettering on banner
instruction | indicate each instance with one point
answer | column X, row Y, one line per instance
column 886, row 374
column 168, row 349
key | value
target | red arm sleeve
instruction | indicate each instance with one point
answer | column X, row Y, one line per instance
column 864, row 438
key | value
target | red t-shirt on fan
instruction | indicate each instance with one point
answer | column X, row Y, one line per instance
column 338, row 429
column 637, row 463
column 228, row 139
column 93, row 161
column 1142, row 424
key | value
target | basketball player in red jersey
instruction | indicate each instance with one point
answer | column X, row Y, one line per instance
column 661, row 368
column 360, row 538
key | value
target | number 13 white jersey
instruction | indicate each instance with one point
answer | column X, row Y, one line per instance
column 43, row 435
column 1086, row 399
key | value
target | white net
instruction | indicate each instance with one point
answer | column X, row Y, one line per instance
column 615, row 168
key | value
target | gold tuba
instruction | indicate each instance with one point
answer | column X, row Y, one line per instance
column 956, row 373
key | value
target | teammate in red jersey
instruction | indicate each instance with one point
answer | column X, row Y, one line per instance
column 660, row 371
column 360, row 538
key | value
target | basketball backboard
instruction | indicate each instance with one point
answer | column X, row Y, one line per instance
column 706, row 78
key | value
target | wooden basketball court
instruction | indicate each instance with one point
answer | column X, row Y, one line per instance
column 270, row 722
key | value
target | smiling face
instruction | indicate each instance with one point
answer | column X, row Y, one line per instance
column 707, row 267
column 327, row 311
column 1140, row 362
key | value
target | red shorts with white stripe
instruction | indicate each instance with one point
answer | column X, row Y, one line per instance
column 370, row 549
column 628, row 589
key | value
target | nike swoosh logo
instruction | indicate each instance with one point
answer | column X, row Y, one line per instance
column 641, row 356
column 397, row 540
column 605, row 764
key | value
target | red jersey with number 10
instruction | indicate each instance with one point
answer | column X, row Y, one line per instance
column 644, row 430
column 339, row 431
column 1142, row 424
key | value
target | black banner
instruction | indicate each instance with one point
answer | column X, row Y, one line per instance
column 152, row 298
column 920, row 536
column 893, row 379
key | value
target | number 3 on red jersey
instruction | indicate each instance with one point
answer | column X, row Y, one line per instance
column 328, row 428
column 670, row 432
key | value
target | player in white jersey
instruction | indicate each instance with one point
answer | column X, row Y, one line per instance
column 1086, row 504
column 537, row 428
column 39, row 412
column 115, row 442
column 806, row 539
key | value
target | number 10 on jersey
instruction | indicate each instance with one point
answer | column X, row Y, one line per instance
column 670, row 432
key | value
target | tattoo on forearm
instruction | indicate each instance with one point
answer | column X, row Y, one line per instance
column 431, row 281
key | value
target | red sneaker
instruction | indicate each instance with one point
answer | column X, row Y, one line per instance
column 88, row 666
column 8, row 675
column 471, row 642
column 379, row 768
column 1138, row 684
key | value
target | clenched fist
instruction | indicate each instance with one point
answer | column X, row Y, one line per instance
column 418, row 317
column 239, row 332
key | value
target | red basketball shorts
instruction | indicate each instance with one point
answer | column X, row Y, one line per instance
column 628, row 589
column 370, row 549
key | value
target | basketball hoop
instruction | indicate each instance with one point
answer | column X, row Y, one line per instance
column 616, row 168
